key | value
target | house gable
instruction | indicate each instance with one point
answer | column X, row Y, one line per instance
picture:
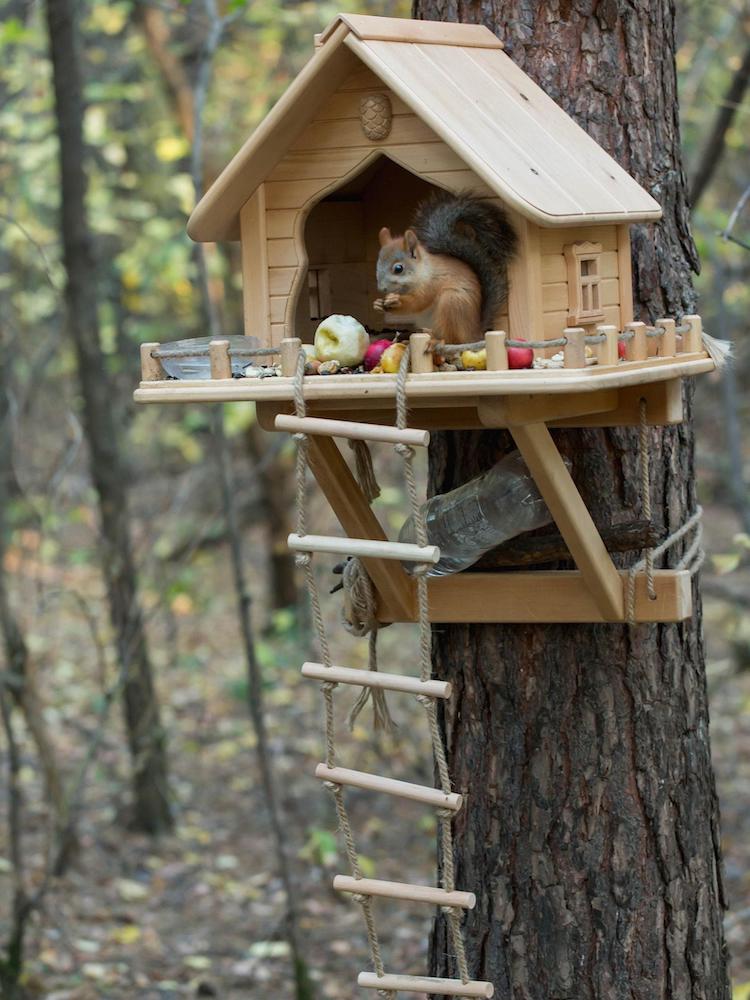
column 472, row 96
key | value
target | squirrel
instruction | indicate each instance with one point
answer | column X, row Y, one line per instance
column 449, row 271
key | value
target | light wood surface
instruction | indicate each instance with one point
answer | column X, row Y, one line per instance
column 436, row 389
column 351, row 430
column 343, row 493
column 401, row 29
column 574, row 352
column 364, row 547
column 604, row 408
column 497, row 352
column 547, row 596
column 625, row 274
column 151, row 368
column 693, row 339
column 578, row 180
column 507, row 411
column 666, row 345
column 571, row 516
column 377, row 679
column 403, row 890
column 426, row 985
column 525, row 306
column 636, row 349
column 608, row 351
column 517, row 140
column 420, row 358
column 253, row 249
column 290, row 348
column 221, row 364
column 390, row 786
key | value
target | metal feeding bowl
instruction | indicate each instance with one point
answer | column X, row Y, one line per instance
column 188, row 359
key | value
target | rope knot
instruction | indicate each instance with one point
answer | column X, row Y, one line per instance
column 299, row 437
column 424, row 699
column 405, row 450
column 359, row 898
column 331, row 786
column 302, row 560
column 421, row 569
column 445, row 814
column 328, row 686
column 447, row 910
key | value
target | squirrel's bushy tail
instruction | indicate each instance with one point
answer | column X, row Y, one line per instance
column 477, row 232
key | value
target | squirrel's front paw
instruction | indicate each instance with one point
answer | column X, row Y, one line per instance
column 392, row 302
column 379, row 305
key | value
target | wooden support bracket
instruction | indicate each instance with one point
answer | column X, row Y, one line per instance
column 395, row 588
column 547, row 596
column 572, row 518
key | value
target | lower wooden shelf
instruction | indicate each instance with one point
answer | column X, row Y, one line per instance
column 545, row 596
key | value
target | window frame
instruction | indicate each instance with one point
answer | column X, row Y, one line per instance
column 584, row 290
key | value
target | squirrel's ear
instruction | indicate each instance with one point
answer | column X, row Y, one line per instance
column 384, row 236
column 411, row 243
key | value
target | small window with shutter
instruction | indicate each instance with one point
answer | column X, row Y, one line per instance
column 584, row 276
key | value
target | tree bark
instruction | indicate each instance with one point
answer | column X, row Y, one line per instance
column 151, row 810
column 590, row 833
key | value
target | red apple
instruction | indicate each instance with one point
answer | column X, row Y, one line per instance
column 520, row 357
column 622, row 349
column 374, row 352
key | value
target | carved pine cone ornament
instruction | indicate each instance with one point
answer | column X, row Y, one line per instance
column 376, row 116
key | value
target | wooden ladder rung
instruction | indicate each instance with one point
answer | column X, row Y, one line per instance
column 367, row 548
column 426, row 984
column 352, row 430
column 376, row 679
column 391, row 786
column 403, row 890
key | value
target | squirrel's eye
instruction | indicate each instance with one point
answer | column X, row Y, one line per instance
column 398, row 268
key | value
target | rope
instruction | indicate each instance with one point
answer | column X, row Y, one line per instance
column 692, row 560
column 360, row 618
column 693, row 557
column 364, row 470
column 644, row 457
column 425, row 658
column 305, row 560
column 203, row 352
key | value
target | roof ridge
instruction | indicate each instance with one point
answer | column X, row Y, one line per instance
column 373, row 27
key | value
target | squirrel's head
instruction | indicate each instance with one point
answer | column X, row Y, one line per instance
column 398, row 261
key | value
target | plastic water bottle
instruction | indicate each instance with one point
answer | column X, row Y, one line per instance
column 476, row 517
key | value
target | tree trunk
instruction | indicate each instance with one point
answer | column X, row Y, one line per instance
column 590, row 835
column 145, row 735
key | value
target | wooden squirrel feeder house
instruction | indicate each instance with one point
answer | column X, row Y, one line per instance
column 385, row 112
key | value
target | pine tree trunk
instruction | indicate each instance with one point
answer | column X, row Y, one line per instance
column 590, row 835
column 145, row 735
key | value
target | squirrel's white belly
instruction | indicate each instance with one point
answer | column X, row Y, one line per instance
column 422, row 320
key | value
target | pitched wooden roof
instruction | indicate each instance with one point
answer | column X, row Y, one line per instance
column 459, row 81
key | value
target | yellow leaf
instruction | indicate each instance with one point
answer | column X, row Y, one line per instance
column 171, row 147
column 741, row 991
column 128, row 934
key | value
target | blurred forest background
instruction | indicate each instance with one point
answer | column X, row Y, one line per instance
column 140, row 855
